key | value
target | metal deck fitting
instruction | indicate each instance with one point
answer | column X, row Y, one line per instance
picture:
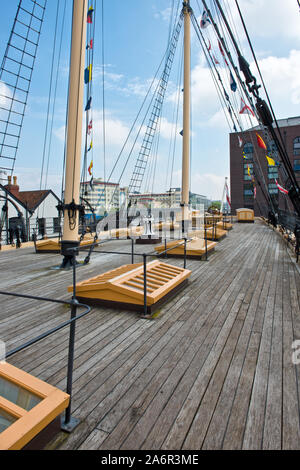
column 124, row 286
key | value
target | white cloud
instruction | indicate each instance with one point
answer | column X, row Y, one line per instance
column 282, row 77
column 270, row 19
column 208, row 184
column 167, row 128
column 5, row 96
column 29, row 179
column 116, row 131
column 217, row 121
column 164, row 14
column 109, row 77
column 60, row 133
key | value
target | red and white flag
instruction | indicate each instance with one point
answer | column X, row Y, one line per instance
column 90, row 127
column 240, row 141
column 281, row 189
column 245, row 109
column 227, row 194
column 223, row 53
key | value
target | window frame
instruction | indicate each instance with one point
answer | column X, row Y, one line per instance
column 296, row 166
column 29, row 423
column 296, row 146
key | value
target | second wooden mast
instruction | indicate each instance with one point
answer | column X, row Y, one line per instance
column 185, row 188
column 71, row 205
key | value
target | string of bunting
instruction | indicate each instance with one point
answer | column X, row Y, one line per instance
column 205, row 22
column 88, row 76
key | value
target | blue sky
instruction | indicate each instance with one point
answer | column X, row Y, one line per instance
column 135, row 33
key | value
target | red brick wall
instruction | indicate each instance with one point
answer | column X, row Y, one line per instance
column 237, row 161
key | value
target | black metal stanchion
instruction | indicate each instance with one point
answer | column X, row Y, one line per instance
column 69, row 422
column 145, row 284
column 184, row 261
column 205, row 237
column 165, row 247
column 132, row 251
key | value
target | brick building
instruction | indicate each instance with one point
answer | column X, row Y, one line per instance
column 252, row 156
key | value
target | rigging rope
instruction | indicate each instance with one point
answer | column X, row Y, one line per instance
column 175, row 127
column 103, row 98
column 48, row 108
column 53, row 106
column 50, row 92
column 287, row 160
column 267, row 117
column 133, row 125
column 223, row 100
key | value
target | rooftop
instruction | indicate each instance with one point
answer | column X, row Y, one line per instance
column 286, row 122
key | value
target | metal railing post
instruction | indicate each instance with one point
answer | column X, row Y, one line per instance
column 132, row 251
column 205, row 237
column 165, row 256
column 70, row 423
column 184, row 261
column 145, row 283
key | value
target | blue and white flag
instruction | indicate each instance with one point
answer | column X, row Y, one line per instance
column 205, row 21
column 233, row 85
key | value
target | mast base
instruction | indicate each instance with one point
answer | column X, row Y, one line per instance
column 148, row 240
column 68, row 253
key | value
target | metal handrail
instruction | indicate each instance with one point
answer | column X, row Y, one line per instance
column 69, row 422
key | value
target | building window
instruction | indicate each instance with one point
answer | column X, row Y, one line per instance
column 56, row 224
column 246, row 175
column 272, row 188
column 248, row 150
column 272, row 172
column 296, row 165
column 42, row 226
column 272, row 148
column 248, row 191
column 297, row 146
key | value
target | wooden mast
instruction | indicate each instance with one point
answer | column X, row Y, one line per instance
column 185, row 187
column 74, row 131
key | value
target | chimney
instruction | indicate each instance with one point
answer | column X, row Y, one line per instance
column 13, row 188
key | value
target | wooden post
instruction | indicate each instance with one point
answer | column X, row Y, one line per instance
column 185, row 188
column 74, row 130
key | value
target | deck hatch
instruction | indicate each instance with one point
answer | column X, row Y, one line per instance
column 195, row 248
column 27, row 406
column 126, row 284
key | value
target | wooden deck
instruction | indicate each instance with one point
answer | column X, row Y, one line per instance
column 212, row 370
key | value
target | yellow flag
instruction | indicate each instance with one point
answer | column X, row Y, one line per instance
column 248, row 170
column 271, row 162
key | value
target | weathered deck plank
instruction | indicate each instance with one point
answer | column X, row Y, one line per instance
column 212, row 370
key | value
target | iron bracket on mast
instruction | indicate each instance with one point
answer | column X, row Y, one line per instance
column 68, row 246
column 72, row 208
column 187, row 7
